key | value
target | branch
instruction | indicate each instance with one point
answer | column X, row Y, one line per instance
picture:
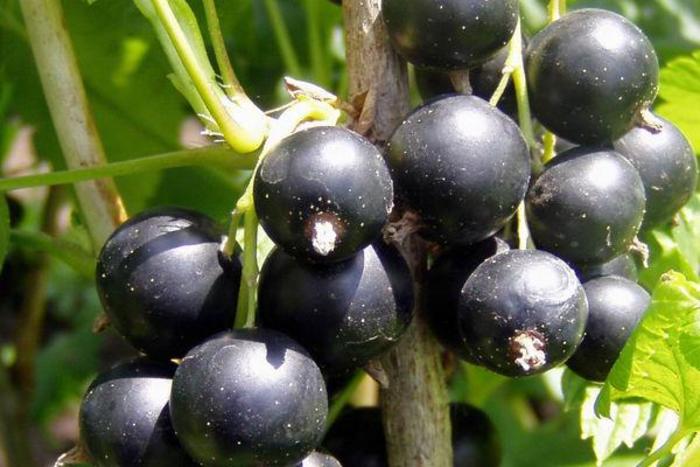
column 65, row 95
column 415, row 404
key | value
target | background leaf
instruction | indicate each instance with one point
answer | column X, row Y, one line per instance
column 679, row 92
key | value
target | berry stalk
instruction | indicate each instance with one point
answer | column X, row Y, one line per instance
column 99, row 201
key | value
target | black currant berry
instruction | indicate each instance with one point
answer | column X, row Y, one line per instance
column 667, row 165
column 586, row 206
column 462, row 165
column 124, row 417
column 522, row 312
column 449, row 34
column 163, row 282
column 623, row 266
column 357, row 438
column 483, row 79
column 615, row 306
column 323, row 194
column 248, row 397
column 444, row 285
column 359, row 307
column 590, row 74
column 319, row 459
column 475, row 441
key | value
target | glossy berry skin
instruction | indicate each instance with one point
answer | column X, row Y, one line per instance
column 522, row 312
column 475, row 441
column 357, row 438
column 344, row 313
column 623, row 266
column 450, row 34
column 667, row 165
column 248, row 397
column 124, row 418
column 590, row 74
column 319, row 459
column 323, row 194
column 444, row 285
column 461, row 165
column 587, row 205
column 616, row 305
column 164, row 284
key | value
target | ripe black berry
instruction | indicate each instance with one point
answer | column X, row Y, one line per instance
column 667, row 165
column 444, row 285
column 586, row 206
column 344, row 313
column 615, row 307
column 522, row 312
column 124, row 417
column 590, row 74
column 163, row 283
column 248, row 397
column 323, row 194
column 475, row 440
column 462, row 165
column 450, row 34
column 483, row 79
column 357, row 438
column 623, row 266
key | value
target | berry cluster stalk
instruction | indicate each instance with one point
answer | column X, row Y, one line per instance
column 415, row 403
column 77, row 134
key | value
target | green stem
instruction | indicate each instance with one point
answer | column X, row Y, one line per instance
column 245, row 314
column 550, row 141
column 514, row 57
column 665, row 450
column 523, row 230
column 521, row 96
column 232, row 86
column 318, row 61
column 562, row 7
column 342, row 399
column 554, row 10
column 289, row 56
column 243, row 125
column 72, row 118
column 250, row 263
column 212, row 155
column 70, row 253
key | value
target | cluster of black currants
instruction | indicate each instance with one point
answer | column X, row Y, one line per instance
column 463, row 167
column 333, row 295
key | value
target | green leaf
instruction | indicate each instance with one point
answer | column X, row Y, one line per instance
column 628, row 421
column 679, row 91
column 4, row 229
column 690, row 456
column 687, row 232
column 665, row 256
column 661, row 361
